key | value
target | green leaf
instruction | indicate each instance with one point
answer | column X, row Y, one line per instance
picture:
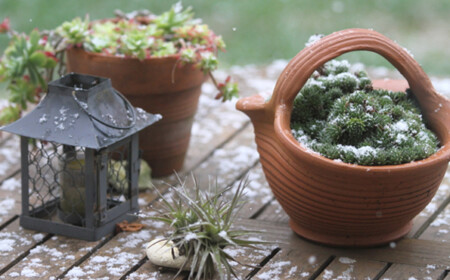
column 34, row 38
column 39, row 59
column 9, row 114
column 50, row 63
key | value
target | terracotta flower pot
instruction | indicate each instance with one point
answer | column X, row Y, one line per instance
column 158, row 86
column 333, row 202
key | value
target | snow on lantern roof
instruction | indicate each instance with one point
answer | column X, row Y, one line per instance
column 82, row 110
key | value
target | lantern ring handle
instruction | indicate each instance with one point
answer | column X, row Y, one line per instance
column 127, row 103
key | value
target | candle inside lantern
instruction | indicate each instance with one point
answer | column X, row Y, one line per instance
column 72, row 182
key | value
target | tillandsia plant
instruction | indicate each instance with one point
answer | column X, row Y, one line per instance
column 30, row 60
column 201, row 224
column 27, row 66
column 339, row 115
column 145, row 35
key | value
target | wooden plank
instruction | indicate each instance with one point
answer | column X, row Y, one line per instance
column 436, row 230
column 51, row 259
column 229, row 162
column 250, row 257
column 448, row 276
column 439, row 229
column 406, row 251
column 151, row 274
column 117, row 256
column 257, row 192
column 213, row 130
column 15, row 242
column 402, row 271
column 348, row 268
column 274, row 212
column 292, row 263
column 10, row 198
column 4, row 136
column 438, row 202
column 9, row 157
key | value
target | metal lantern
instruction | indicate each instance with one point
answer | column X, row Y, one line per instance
column 80, row 158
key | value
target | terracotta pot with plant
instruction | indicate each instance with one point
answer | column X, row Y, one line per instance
column 159, row 62
column 327, row 199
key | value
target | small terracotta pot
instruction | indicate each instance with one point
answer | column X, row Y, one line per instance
column 333, row 202
column 159, row 86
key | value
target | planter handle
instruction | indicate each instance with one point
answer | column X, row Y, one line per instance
column 301, row 67
column 127, row 103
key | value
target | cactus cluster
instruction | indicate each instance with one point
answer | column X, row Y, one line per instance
column 339, row 115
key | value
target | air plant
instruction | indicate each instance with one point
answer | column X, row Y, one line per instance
column 202, row 228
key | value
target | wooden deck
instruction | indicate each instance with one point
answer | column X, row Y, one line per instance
column 222, row 145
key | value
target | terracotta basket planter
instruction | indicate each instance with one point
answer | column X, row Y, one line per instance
column 333, row 202
column 158, row 86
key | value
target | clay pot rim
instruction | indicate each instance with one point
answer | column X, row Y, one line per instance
column 110, row 56
column 104, row 55
column 284, row 134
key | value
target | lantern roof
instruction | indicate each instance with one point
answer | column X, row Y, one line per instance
column 82, row 110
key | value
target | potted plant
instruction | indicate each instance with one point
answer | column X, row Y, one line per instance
column 201, row 230
column 341, row 116
column 338, row 203
column 27, row 66
column 158, row 62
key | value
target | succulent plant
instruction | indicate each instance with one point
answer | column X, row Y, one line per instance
column 25, row 66
column 28, row 63
column 144, row 35
column 340, row 116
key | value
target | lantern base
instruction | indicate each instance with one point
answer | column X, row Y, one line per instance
column 71, row 218
column 47, row 218
column 83, row 233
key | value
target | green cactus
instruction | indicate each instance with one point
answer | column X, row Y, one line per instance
column 340, row 116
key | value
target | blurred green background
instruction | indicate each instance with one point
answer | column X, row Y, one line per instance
column 260, row 31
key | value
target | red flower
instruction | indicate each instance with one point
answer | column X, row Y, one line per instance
column 38, row 90
column 51, row 55
column 148, row 53
column 43, row 40
column 5, row 26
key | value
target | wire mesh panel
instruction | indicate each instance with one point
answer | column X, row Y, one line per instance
column 78, row 186
column 43, row 170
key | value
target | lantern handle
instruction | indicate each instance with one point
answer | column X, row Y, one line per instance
column 128, row 104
